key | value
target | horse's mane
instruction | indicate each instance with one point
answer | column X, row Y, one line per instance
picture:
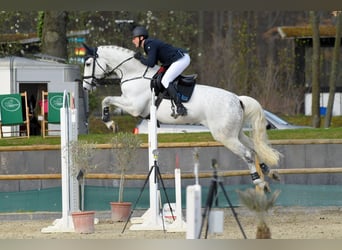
column 128, row 51
column 110, row 51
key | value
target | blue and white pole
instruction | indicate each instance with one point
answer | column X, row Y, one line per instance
column 70, row 191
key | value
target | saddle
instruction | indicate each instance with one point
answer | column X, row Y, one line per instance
column 184, row 85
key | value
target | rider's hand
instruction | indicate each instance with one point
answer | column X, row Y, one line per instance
column 137, row 55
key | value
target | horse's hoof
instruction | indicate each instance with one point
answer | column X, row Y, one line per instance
column 263, row 187
column 274, row 175
column 115, row 127
column 267, row 188
column 110, row 125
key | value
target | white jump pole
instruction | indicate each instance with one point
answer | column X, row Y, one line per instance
column 178, row 225
column 70, row 191
column 194, row 206
column 151, row 219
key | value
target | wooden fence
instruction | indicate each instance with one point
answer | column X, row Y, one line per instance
column 171, row 176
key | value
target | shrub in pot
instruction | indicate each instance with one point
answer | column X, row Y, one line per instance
column 82, row 153
column 124, row 146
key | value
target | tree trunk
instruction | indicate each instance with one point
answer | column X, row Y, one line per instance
column 121, row 186
column 54, row 40
column 316, row 119
column 334, row 71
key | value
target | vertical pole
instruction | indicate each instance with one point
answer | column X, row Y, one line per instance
column 194, row 204
column 193, row 211
column 65, row 163
column 151, row 219
column 70, row 191
column 178, row 225
column 153, row 141
column 178, row 190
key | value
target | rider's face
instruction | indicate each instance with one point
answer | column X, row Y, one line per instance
column 135, row 41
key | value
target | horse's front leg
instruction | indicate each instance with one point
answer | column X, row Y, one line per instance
column 121, row 103
column 106, row 102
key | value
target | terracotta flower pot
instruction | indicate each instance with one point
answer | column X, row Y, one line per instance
column 84, row 221
column 120, row 210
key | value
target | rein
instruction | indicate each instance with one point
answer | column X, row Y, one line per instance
column 136, row 78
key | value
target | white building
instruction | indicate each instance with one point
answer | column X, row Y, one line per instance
column 19, row 74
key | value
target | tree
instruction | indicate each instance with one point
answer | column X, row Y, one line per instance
column 316, row 119
column 334, row 70
column 125, row 147
column 54, row 40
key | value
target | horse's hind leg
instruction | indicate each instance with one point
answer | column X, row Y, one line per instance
column 264, row 168
column 248, row 156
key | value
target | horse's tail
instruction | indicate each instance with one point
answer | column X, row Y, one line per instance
column 254, row 115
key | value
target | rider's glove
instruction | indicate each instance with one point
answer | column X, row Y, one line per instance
column 137, row 55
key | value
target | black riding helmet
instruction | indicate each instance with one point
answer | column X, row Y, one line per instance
column 140, row 31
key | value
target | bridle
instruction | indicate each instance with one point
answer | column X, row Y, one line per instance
column 100, row 81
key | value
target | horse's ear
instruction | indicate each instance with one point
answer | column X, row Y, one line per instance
column 89, row 51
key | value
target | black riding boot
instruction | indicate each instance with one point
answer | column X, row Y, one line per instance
column 181, row 110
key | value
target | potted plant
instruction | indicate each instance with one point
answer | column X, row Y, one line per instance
column 124, row 146
column 82, row 153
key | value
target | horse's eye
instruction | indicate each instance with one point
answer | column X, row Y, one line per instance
column 87, row 64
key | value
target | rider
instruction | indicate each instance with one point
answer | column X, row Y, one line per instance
column 176, row 59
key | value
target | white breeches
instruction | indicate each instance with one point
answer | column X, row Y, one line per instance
column 175, row 70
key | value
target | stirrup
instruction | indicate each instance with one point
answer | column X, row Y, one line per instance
column 173, row 113
column 181, row 110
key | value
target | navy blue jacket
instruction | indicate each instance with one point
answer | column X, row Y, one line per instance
column 157, row 50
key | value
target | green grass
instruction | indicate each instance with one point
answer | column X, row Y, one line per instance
column 101, row 135
column 125, row 123
column 336, row 121
column 320, row 133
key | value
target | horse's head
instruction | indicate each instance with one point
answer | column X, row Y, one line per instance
column 110, row 64
column 95, row 69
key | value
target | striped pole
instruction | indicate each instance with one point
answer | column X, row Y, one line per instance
column 70, row 192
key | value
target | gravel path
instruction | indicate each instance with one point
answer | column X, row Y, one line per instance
column 285, row 223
